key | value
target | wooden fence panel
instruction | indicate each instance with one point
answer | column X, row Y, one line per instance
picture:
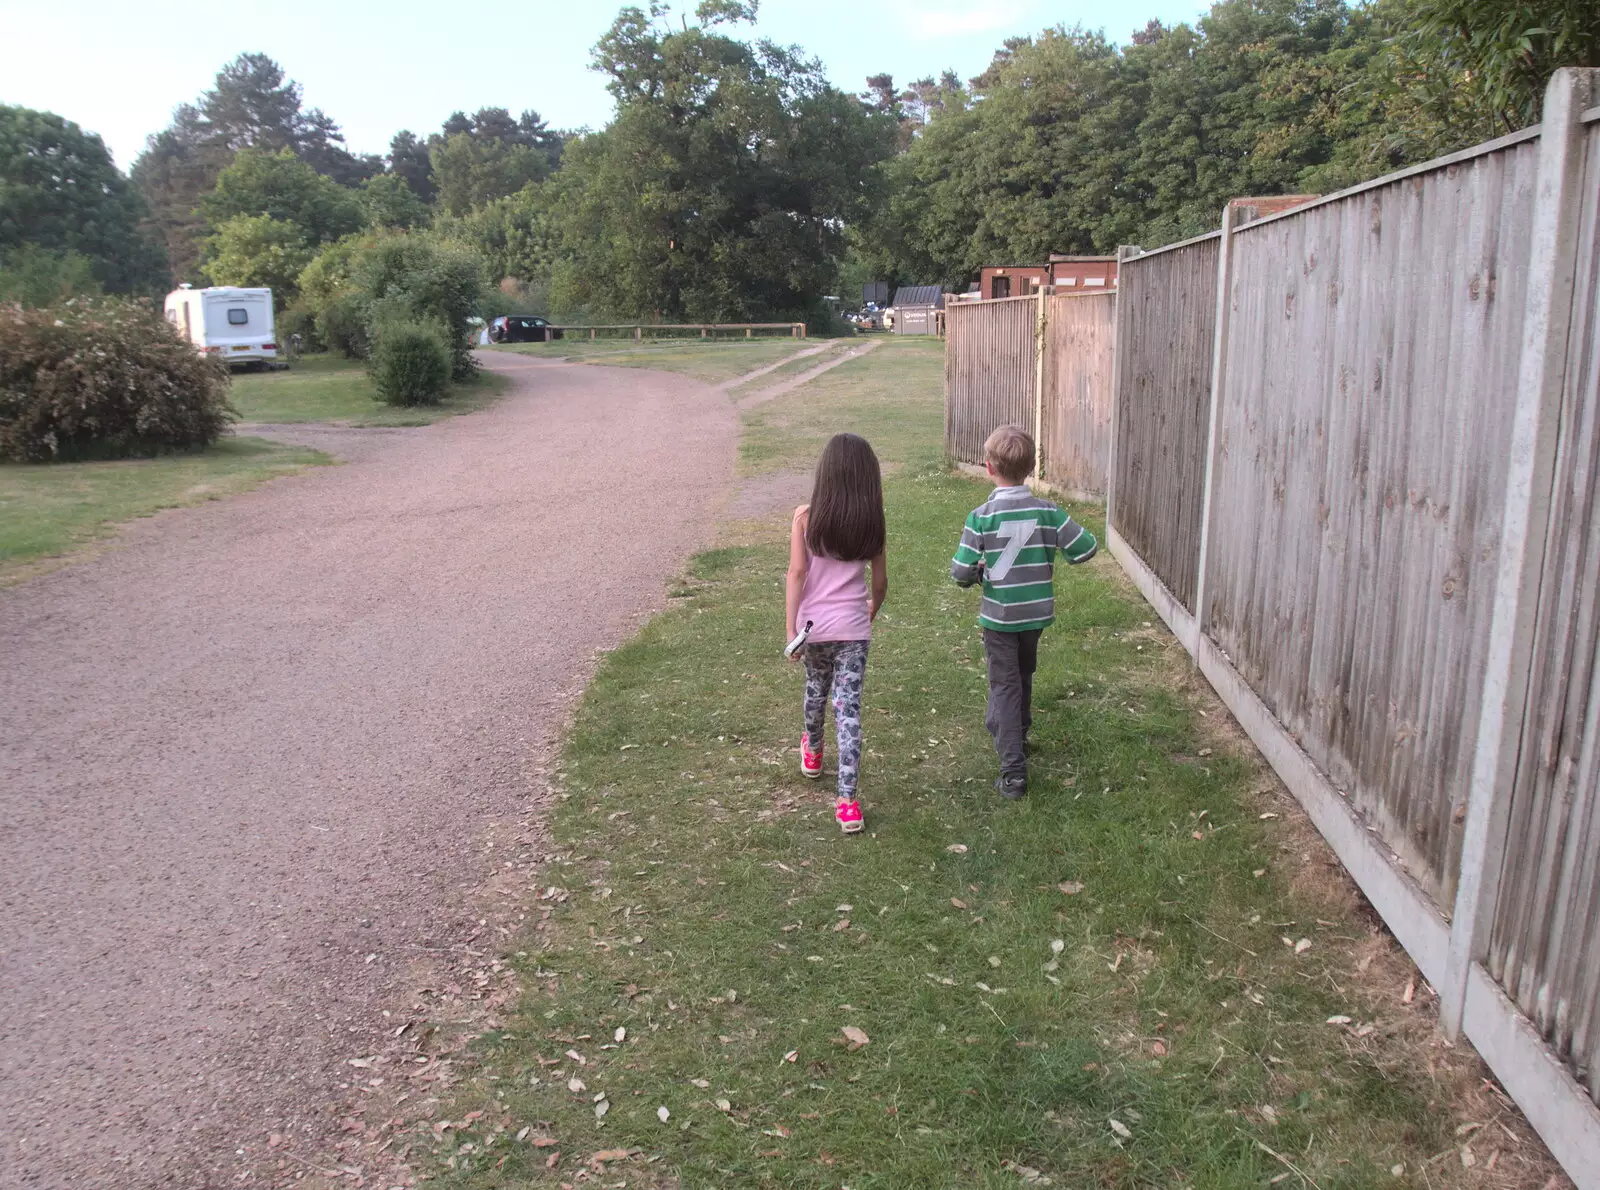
column 1544, row 945
column 1079, row 346
column 1359, row 475
column 1165, row 326
column 989, row 372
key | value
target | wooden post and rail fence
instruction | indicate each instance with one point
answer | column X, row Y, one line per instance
column 707, row 330
column 1351, row 455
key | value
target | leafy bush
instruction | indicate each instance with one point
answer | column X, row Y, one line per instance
column 326, row 294
column 410, row 363
column 416, row 278
column 36, row 276
column 103, row 377
column 298, row 319
column 342, row 323
column 257, row 250
column 364, row 282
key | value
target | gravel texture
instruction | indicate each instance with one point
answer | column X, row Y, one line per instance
column 250, row 755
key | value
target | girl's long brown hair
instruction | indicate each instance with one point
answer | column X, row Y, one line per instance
column 846, row 519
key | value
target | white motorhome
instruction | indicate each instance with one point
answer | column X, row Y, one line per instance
column 233, row 324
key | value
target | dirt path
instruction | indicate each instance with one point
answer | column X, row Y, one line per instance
column 250, row 755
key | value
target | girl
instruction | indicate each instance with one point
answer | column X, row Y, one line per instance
column 833, row 541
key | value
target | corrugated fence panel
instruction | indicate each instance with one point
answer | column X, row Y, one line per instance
column 1545, row 945
column 1371, row 372
column 988, row 372
column 1165, row 330
column 1079, row 344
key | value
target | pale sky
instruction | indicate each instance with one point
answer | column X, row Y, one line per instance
column 119, row 67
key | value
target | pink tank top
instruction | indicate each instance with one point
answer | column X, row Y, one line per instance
column 835, row 600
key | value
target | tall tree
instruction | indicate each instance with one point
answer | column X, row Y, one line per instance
column 321, row 145
column 282, row 186
column 251, row 104
column 60, row 193
column 409, row 160
column 257, row 250
column 722, row 188
column 469, row 170
column 488, row 155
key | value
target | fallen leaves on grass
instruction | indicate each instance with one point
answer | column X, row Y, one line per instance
column 663, row 1114
column 1120, row 1128
column 598, row 1161
column 1028, row 1175
column 1071, row 887
column 957, row 849
column 856, row 1037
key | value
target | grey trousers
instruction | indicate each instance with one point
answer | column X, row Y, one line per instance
column 1012, row 657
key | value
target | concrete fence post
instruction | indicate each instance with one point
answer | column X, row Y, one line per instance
column 1119, row 333
column 1039, row 322
column 1541, row 378
column 1219, row 380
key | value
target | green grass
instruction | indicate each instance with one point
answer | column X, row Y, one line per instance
column 47, row 510
column 331, row 388
column 702, row 899
column 712, row 361
column 789, row 369
column 884, row 396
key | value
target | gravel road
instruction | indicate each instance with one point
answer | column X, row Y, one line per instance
column 248, row 756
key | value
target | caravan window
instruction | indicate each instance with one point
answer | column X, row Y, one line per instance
column 238, row 316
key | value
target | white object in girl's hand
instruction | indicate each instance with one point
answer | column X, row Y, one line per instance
column 793, row 647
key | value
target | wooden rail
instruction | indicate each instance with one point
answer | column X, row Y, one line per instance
column 797, row 330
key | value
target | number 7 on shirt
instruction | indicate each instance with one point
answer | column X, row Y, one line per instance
column 1017, row 534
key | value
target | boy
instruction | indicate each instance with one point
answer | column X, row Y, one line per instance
column 1010, row 544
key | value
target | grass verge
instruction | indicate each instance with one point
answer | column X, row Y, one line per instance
column 712, row 361
column 331, row 388
column 1148, row 974
column 47, row 510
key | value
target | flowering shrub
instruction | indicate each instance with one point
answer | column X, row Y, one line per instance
column 103, row 377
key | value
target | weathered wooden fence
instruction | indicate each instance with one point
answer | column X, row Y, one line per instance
column 1357, row 470
column 1165, row 329
column 1074, row 415
column 1043, row 362
column 988, row 370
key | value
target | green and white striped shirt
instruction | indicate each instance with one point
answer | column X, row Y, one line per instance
column 1010, row 543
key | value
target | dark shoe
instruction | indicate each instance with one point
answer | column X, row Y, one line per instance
column 1012, row 788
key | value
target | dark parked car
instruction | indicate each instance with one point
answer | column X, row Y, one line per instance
column 520, row 328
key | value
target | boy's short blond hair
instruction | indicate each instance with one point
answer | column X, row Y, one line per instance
column 1010, row 452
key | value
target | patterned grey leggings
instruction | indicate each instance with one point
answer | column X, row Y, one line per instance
column 842, row 666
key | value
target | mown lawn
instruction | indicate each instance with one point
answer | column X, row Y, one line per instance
column 1147, row 974
column 331, row 388
column 49, row 509
column 712, row 361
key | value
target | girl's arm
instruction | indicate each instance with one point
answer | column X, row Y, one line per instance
column 799, row 564
column 880, row 583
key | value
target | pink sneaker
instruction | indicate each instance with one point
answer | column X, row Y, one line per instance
column 810, row 762
column 849, row 816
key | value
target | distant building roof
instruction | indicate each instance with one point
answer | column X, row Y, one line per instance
column 920, row 295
